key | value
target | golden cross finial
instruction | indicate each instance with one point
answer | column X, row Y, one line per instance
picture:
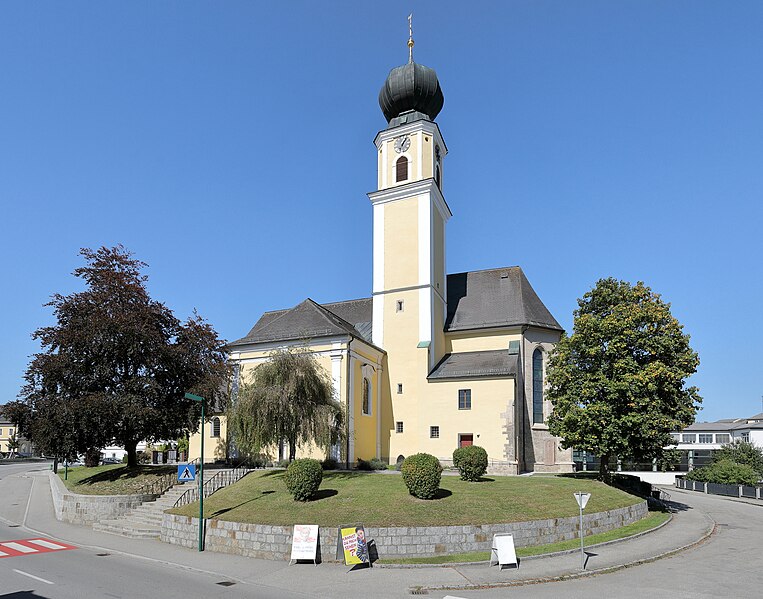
column 410, row 37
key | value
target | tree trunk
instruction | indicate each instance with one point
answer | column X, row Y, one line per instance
column 92, row 457
column 604, row 466
column 292, row 449
column 55, row 465
column 132, row 454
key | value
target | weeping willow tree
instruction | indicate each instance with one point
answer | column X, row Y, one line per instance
column 289, row 398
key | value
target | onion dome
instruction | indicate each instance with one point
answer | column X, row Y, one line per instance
column 411, row 93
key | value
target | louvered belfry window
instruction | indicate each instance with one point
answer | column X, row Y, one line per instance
column 401, row 167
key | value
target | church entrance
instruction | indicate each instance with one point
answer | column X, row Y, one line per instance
column 465, row 440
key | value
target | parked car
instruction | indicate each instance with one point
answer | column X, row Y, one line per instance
column 110, row 461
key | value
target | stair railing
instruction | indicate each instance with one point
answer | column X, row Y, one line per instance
column 217, row 482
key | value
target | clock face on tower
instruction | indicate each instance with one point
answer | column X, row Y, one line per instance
column 402, row 144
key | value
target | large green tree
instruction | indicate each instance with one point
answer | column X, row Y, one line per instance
column 618, row 383
column 288, row 399
column 116, row 364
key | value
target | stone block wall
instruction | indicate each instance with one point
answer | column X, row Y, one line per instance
column 274, row 542
column 88, row 509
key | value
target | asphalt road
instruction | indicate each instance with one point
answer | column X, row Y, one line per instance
column 87, row 572
column 728, row 564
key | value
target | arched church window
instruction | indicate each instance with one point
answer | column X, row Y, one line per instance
column 437, row 175
column 401, row 169
column 215, row 427
column 366, row 396
column 538, row 386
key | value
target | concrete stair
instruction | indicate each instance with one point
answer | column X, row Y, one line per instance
column 145, row 521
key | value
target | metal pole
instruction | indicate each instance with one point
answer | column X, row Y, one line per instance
column 582, row 552
column 201, row 484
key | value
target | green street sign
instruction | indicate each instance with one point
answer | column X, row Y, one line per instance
column 193, row 397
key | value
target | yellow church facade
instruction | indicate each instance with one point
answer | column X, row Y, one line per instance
column 430, row 361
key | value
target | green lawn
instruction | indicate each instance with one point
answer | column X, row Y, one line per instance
column 112, row 479
column 653, row 520
column 383, row 500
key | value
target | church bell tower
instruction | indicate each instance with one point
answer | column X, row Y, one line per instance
column 409, row 217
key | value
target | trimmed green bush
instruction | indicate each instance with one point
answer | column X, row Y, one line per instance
column 421, row 474
column 329, row 464
column 303, row 477
column 725, row 472
column 377, row 464
column 471, row 462
column 372, row 464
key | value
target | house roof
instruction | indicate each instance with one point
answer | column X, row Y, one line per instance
column 475, row 364
column 712, row 426
column 308, row 320
column 500, row 297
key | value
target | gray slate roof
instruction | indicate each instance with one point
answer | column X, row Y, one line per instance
column 475, row 364
column 501, row 297
column 309, row 320
column 498, row 297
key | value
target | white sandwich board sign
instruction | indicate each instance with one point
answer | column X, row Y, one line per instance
column 503, row 552
column 304, row 543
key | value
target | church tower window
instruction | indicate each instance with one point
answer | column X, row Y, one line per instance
column 538, row 387
column 401, row 169
column 215, row 427
column 366, row 397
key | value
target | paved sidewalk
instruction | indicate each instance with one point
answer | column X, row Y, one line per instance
column 689, row 526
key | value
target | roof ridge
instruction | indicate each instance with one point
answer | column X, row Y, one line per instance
column 328, row 314
column 468, row 272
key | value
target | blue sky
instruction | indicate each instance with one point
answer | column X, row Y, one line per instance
column 229, row 145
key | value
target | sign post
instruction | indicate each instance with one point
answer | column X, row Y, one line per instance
column 582, row 499
column 193, row 397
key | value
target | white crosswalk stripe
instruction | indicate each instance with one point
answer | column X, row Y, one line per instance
column 46, row 544
column 19, row 547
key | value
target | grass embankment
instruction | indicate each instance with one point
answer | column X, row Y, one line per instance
column 112, row 479
column 653, row 520
column 383, row 500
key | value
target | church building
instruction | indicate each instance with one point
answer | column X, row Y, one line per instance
column 430, row 361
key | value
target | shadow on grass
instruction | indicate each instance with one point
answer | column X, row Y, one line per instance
column 442, row 494
column 233, row 507
column 345, row 474
column 123, row 473
column 324, row 494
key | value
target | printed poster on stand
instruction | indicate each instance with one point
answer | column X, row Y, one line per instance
column 354, row 545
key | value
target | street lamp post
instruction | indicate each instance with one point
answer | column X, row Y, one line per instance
column 201, row 471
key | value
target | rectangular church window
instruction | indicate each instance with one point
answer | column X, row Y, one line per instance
column 400, row 387
column 464, row 399
column 399, row 426
column 399, row 306
column 434, row 432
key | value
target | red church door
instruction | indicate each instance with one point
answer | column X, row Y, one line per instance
column 465, row 440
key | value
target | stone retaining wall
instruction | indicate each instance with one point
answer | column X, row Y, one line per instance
column 274, row 542
column 88, row 509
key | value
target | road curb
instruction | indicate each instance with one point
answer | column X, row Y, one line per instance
column 392, row 566
column 576, row 575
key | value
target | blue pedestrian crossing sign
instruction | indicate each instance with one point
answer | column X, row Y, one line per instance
column 186, row 473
